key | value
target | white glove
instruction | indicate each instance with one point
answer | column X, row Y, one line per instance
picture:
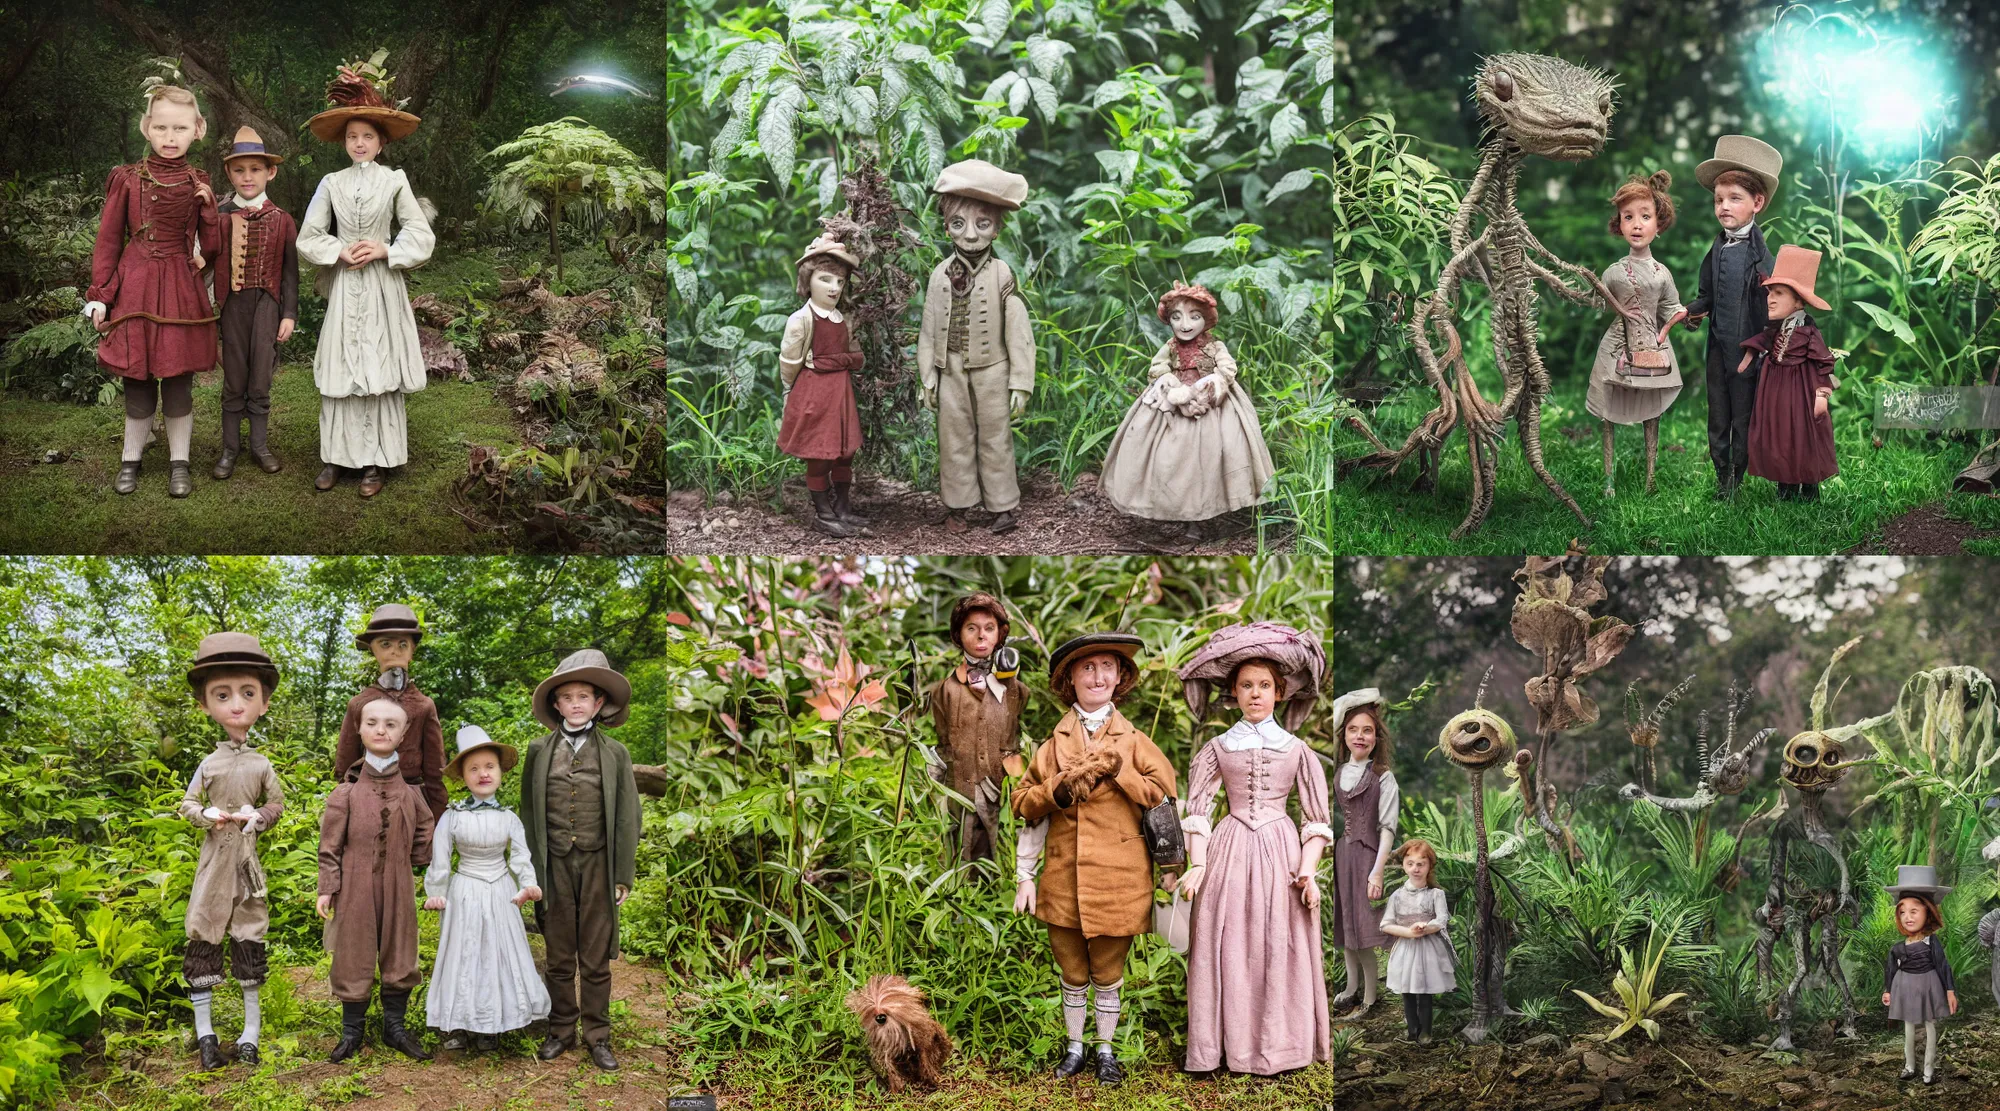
column 94, row 311
column 249, row 817
column 212, row 814
column 1024, row 896
column 1215, row 385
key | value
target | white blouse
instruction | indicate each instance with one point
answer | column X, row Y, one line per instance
column 1386, row 803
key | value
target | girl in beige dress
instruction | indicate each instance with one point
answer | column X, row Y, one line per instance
column 1190, row 448
column 1636, row 377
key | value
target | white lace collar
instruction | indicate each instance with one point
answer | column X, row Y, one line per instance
column 1092, row 721
column 1266, row 734
column 826, row 314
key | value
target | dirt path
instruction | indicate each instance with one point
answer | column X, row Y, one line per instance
column 908, row 521
column 1925, row 530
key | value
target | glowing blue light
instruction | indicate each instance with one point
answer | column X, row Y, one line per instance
column 1887, row 95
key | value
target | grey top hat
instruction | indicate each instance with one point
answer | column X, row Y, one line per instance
column 471, row 739
column 1917, row 879
column 586, row 666
column 392, row 618
column 233, row 652
column 1742, row 152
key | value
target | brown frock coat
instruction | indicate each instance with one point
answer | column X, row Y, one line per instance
column 376, row 831
column 975, row 730
column 620, row 807
column 1096, row 874
column 421, row 756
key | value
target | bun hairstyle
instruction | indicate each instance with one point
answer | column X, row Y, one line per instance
column 172, row 94
column 1654, row 187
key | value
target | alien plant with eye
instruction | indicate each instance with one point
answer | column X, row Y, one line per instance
column 1532, row 104
column 1725, row 770
column 1815, row 762
column 1478, row 740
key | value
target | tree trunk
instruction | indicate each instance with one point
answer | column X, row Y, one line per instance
column 651, row 778
column 207, row 67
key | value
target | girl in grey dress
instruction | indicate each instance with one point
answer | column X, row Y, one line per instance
column 1420, row 963
column 1917, row 984
column 1636, row 377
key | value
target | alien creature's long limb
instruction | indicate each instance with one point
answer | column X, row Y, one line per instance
column 1801, row 936
column 1813, row 820
column 1530, row 418
column 1701, row 800
column 1829, row 959
column 1770, row 917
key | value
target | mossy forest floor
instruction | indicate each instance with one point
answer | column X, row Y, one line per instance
column 1373, row 1071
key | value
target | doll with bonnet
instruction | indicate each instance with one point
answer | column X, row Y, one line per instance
column 1190, row 448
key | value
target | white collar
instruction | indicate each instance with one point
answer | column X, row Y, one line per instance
column 1093, row 721
column 1797, row 318
column 382, row 763
column 1266, row 734
column 832, row 314
column 1740, row 234
column 254, row 202
column 359, row 165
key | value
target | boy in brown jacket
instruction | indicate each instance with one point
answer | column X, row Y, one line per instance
column 234, row 796
column 392, row 636
column 977, row 712
column 375, row 831
column 976, row 346
column 256, row 298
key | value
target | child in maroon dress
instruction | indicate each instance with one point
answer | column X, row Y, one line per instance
column 1791, row 433
column 821, row 423
column 256, row 296
column 145, row 297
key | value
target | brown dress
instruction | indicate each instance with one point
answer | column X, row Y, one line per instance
column 1356, row 924
column 1787, row 443
column 375, row 832
column 821, row 420
column 976, row 731
column 421, row 756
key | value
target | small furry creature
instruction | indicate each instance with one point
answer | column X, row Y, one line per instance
column 1082, row 777
column 904, row 1042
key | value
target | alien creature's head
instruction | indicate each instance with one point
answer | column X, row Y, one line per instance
column 1476, row 740
column 1814, row 761
column 1545, row 105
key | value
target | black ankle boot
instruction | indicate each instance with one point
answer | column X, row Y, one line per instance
column 394, row 1034
column 1071, row 1063
column 827, row 519
column 211, row 1052
column 1109, row 1071
column 353, row 1020
column 843, row 507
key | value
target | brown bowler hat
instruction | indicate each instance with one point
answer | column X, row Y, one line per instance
column 586, row 666
column 1089, row 644
column 983, row 181
column 231, row 652
column 392, row 618
column 1797, row 269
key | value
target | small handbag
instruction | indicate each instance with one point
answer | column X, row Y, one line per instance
column 1171, row 920
column 1161, row 826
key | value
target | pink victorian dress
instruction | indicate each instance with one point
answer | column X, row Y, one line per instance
column 1256, row 995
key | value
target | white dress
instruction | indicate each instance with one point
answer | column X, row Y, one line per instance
column 484, row 980
column 1419, row 965
column 369, row 355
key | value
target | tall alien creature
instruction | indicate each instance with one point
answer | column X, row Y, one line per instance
column 1724, row 770
column 1532, row 104
column 1477, row 740
column 1815, row 762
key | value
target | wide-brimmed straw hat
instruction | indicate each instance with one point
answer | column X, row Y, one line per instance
column 983, row 181
column 392, row 618
column 1797, row 269
column 354, row 96
column 1298, row 659
column 471, row 739
column 231, row 652
column 834, row 248
column 249, row 144
column 1742, row 152
column 1917, row 879
column 586, row 666
column 1089, row 644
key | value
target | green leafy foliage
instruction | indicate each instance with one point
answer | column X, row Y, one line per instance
column 571, row 169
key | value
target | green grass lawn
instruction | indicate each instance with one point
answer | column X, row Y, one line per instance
column 1374, row 514
column 69, row 507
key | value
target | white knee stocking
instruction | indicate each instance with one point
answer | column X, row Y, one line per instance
column 253, row 1018
column 136, row 431
column 1107, row 1006
column 1930, row 1049
column 1909, row 1047
column 204, row 1014
column 1074, row 1007
column 180, row 433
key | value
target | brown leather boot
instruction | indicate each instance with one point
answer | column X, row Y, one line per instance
column 371, row 481
column 328, row 475
column 825, row 519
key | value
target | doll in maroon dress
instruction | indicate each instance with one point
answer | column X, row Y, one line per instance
column 1791, row 434
column 146, row 298
column 817, row 360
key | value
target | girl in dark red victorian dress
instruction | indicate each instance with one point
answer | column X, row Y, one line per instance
column 1791, row 433
column 145, row 298
column 817, row 361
